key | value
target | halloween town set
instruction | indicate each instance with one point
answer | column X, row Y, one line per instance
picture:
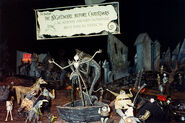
column 89, row 87
column 150, row 91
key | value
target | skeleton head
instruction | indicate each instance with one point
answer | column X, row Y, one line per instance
column 152, row 100
column 164, row 74
column 76, row 57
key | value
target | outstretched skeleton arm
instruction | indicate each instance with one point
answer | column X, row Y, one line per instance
column 52, row 61
column 99, row 51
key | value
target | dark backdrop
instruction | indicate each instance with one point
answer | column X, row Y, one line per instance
column 163, row 20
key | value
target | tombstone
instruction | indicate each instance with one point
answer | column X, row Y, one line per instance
column 167, row 57
column 163, row 57
column 117, row 53
column 175, row 55
column 181, row 56
column 156, row 56
column 144, row 52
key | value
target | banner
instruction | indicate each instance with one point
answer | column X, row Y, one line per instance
column 77, row 21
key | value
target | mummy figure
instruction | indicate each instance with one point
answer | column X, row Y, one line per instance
column 9, row 107
column 124, row 102
column 104, row 112
column 124, row 105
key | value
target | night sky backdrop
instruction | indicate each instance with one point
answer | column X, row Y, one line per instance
column 163, row 20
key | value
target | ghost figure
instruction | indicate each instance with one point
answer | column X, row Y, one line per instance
column 104, row 112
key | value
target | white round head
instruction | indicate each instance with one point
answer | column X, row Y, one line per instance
column 76, row 57
column 152, row 100
column 12, row 83
column 168, row 101
column 104, row 108
column 164, row 74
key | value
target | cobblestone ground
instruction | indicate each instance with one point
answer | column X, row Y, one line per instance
column 60, row 99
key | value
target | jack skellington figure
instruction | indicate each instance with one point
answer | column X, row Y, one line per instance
column 76, row 63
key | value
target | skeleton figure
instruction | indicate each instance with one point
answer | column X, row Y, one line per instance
column 160, row 86
column 104, row 112
column 9, row 107
column 165, row 79
column 76, row 63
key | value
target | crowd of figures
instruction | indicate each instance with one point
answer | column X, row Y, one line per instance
column 34, row 105
column 33, row 100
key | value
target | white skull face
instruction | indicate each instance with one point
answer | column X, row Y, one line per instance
column 168, row 101
column 104, row 108
column 76, row 57
column 152, row 100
